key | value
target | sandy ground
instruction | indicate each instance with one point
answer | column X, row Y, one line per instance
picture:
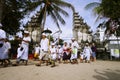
column 99, row 70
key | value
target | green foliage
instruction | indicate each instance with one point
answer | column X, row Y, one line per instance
column 106, row 8
column 51, row 38
column 61, row 41
column 111, row 8
column 11, row 15
column 14, row 10
column 118, row 31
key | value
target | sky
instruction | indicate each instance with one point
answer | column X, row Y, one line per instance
column 87, row 15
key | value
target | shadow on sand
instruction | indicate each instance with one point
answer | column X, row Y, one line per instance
column 107, row 74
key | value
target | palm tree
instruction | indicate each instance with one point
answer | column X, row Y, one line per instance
column 108, row 10
column 52, row 8
column 97, row 9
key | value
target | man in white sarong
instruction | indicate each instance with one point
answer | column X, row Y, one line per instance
column 2, row 44
column 44, row 55
column 74, row 55
column 7, row 51
column 74, row 46
column 24, row 48
column 87, row 50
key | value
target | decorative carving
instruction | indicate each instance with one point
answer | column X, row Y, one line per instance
column 80, row 29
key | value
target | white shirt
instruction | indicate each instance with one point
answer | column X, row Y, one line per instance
column 37, row 49
column 8, row 45
column 59, row 50
column 74, row 44
column 26, row 39
column 87, row 50
column 44, row 44
column 53, row 50
column 2, row 35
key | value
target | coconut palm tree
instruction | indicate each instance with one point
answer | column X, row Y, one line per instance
column 97, row 9
column 108, row 10
column 52, row 8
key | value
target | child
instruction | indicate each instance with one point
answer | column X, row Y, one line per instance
column 82, row 56
column 37, row 51
column 53, row 55
column 59, row 53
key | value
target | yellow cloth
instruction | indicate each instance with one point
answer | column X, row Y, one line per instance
column 36, row 55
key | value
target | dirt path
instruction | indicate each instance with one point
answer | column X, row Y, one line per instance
column 100, row 70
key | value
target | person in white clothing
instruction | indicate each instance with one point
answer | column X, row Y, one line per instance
column 44, row 55
column 53, row 54
column 59, row 53
column 74, row 43
column 24, row 48
column 7, row 50
column 87, row 50
column 74, row 55
column 37, row 51
column 74, row 46
column 2, row 45
column 82, row 56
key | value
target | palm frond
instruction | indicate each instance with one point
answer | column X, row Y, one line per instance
column 92, row 5
column 64, row 4
column 40, row 17
column 58, row 16
column 56, row 13
column 30, row 6
column 55, row 20
column 60, row 10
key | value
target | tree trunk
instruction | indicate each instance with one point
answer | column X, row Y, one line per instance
column 43, row 23
column 1, row 9
column 44, row 19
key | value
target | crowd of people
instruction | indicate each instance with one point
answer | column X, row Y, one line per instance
column 67, row 53
column 47, row 52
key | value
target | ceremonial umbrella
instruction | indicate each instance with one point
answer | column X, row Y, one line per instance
column 47, row 31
